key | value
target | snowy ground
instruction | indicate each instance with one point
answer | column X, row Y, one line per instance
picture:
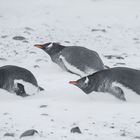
column 110, row 27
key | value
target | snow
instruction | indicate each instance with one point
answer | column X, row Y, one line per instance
column 109, row 27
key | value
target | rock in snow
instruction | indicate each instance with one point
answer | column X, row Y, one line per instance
column 19, row 38
column 30, row 132
column 9, row 135
column 76, row 130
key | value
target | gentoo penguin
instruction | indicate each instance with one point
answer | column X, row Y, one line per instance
column 14, row 79
column 109, row 80
column 74, row 59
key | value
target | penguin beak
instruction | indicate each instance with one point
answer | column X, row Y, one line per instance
column 39, row 46
column 73, row 82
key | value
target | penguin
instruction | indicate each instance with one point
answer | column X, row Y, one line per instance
column 74, row 59
column 109, row 80
column 14, row 78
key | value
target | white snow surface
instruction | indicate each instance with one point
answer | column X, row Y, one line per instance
column 110, row 27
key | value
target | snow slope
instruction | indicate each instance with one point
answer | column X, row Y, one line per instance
column 109, row 27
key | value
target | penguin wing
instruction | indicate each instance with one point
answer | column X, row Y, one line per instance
column 19, row 90
column 117, row 91
column 69, row 67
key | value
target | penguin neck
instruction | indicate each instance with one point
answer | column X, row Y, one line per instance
column 55, row 49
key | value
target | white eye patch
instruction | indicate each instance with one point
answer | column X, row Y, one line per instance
column 87, row 80
column 49, row 46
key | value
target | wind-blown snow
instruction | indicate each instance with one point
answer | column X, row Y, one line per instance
column 109, row 27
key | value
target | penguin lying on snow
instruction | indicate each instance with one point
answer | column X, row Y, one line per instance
column 109, row 80
column 74, row 59
column 17, row 80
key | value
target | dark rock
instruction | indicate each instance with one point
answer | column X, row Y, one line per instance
column 112, row 127
column 4, row 36
column 123, row 132
column 76, row 130
column 43, row 106
column 52, row 120
column 44, row 114
column 137, row 137
column 6, row 113
column 29, row 29
column 101, row 30
column 64, row 137
column 137, row 42
column 39, row 60
column 27, row 133
column 67, row 41
column 138, row 122
column 15, row 52
column 25, row 41
column 9, row 135
column 3, row 59
column 135, row 39
column 19, row 38
column 36, row 66
column 113, row 56
column 32, row 52
column 27, row 32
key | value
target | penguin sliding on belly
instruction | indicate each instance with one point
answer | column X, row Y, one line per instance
column 108, row 80
column 74, row 59
column 15, row 80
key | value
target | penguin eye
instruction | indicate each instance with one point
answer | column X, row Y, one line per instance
column 86, row 84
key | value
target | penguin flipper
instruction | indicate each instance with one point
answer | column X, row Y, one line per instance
column 19, row 90
column 65, row 67
column 118, row 93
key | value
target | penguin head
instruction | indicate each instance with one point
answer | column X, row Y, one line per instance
column 50, row 48
column 83, row 84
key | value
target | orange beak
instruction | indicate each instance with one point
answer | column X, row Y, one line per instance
column 73, row 82
column 39, row 46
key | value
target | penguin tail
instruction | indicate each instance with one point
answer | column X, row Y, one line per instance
column 41, row 89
